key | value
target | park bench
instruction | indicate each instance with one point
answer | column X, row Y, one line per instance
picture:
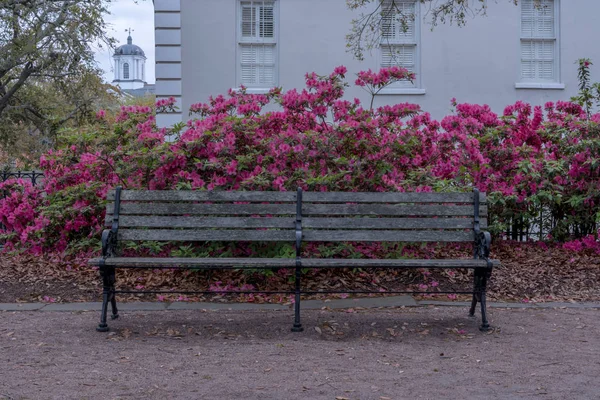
column 295, row 217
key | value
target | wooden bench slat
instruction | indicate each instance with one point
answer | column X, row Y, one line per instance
column 207, row 235
column 385, row 236
column 202, row 195
column 390, row 223
column 263, row 196
column 126, row 221
column 203, row 209
column 389, row 209
column 368, row 197
column 175, row 261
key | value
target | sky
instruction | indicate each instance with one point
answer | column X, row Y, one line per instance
column 139, row 17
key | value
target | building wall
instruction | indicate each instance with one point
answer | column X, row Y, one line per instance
column 478, row 63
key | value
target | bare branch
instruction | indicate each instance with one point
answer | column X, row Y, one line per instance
column 366, row 29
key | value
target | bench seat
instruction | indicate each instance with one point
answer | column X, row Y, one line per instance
column 208, row 263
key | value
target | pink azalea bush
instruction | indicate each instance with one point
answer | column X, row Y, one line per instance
column 528, row 159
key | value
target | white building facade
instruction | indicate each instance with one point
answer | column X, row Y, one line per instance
column 528, row 53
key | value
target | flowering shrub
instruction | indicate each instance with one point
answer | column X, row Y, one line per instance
column 19, row 215
column 528, row 159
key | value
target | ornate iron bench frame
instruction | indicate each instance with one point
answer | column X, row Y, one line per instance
column 296, row 218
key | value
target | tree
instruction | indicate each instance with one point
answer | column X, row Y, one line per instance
column 45, row 107
column 48, row 76
column 46, row 40
column 367, row 28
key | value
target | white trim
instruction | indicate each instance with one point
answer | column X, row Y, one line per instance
column 167, row 20
column 167, row 36
column 165, row 120
column 169, row 54
column 539, row 85
column 167, row 5
column 392, row 91
column 168, row 71
column 167, row 88
column 253, row 90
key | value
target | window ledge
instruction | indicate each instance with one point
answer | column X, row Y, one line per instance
column 539, row 85
column 403, row 91
column 253, row 90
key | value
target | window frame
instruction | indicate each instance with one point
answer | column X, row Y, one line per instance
column 537, row 83
column 241, row 42
column 126, row 71
column 417, row 85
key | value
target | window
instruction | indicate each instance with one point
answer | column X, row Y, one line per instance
column 400, row 27
column 539, row 42
column 126, row 71
column 257, row 56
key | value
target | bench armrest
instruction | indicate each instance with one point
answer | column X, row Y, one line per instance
column 109, row 243
column 483, row 242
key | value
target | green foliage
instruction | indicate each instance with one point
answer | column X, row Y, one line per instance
column 589, row 94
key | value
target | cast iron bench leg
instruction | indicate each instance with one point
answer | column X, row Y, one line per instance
column 476, row 286
column 485, row 326
column 479, row 294
column 108, row 295
column 297, row 325
column 113, row 300
column 103, row 326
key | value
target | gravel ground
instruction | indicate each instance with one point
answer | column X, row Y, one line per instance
column 403, row 353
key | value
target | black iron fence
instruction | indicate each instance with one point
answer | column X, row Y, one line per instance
column 35, row 177
column 543, row 223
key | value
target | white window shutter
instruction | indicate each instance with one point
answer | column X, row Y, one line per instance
column 248, row 21
column 545, row 25
column 257, row 46
column 402, row 56
column 527, row 18
column 546, row 60
column 527, row 60
column 406, row 22
column 258, row 64
column 249, row 72
column 266, row 21
column 539, row 56
column 537, row 21
column 398, row 22
column 399, row 37
column 388, row 27
column 399, row 55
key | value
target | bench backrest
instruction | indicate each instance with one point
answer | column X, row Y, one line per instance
column 390, row 217
column 271, row 216
column 208, row 215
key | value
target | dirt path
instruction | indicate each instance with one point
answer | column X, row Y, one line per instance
column 412, row 353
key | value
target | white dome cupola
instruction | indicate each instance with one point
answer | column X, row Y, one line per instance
column 130, row 66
